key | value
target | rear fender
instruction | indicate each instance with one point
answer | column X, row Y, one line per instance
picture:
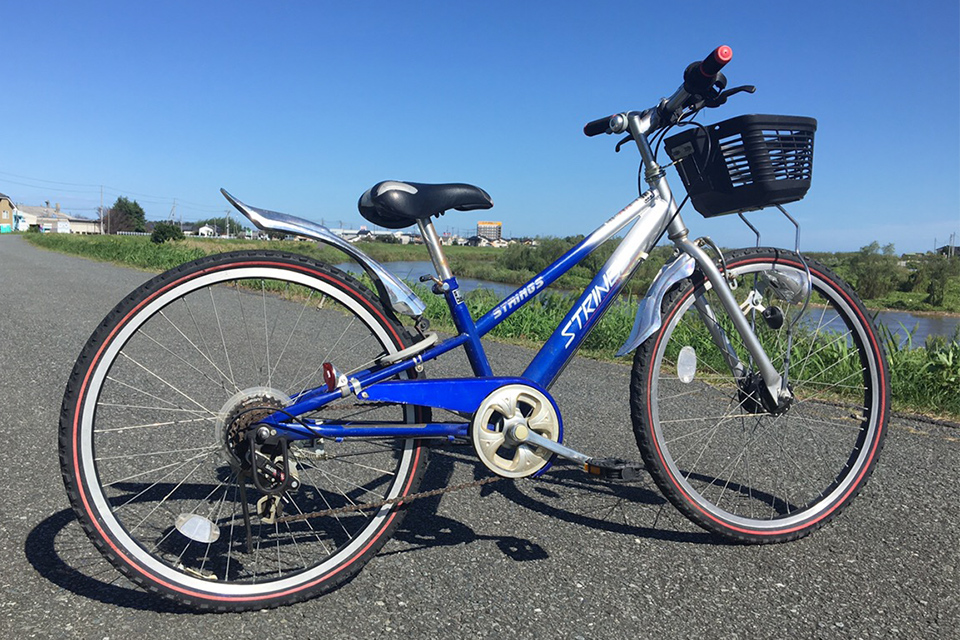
column 394, row 294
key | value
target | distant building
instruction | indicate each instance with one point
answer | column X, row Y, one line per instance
column 492, row 231
column 949, row 250
column 8, row 212
column 52, row 220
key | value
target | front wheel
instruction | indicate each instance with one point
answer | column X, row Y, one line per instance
column 731, row 462
column 155, row 426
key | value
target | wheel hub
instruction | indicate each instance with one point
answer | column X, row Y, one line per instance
column 755, row 398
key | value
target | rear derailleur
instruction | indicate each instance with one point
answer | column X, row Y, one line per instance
column 272, row 471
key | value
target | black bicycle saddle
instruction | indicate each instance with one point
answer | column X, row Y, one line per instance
column 396, row 205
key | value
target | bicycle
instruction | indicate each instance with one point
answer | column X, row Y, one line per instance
column 244, row 430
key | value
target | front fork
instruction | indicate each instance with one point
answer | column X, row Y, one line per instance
column 770, row 382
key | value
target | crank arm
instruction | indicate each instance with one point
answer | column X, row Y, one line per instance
column 612, row 469
column 523, row 435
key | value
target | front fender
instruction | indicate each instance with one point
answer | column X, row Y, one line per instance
column 394, row 294
column 647, row 321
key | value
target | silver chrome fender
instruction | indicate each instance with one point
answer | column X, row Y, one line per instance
column 648, row 311
column 393, row 292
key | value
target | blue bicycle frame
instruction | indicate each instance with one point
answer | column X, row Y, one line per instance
column 652, row 214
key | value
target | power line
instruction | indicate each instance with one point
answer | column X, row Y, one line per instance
column 96, row 189
column 58, row 190
column 70, row 184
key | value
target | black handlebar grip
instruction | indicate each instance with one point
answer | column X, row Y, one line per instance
column 699, row 77
column 596, row 127
column 717, row 59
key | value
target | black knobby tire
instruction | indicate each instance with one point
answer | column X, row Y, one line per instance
column 152, row 426
column 731, row 465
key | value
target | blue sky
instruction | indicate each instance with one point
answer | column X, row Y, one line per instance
column 301, row 106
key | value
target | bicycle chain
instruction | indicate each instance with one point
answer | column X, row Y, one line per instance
column 400, row 499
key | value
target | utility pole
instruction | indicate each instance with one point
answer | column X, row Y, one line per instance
column 101, row 209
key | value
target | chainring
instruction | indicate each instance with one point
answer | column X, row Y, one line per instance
column 509, row 406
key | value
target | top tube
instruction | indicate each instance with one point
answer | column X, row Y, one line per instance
column 563, row 264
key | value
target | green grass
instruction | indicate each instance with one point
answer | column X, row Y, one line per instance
column 140, row 252
column 924, row 379
column 127, row 250
column 916, row 301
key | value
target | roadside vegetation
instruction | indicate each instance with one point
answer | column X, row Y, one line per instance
column 922, row 282
column 925, row 377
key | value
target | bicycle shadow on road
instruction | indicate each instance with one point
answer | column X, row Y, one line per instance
column 424, row 528
column 60, row 552
column 58, row 549
column 565, row 493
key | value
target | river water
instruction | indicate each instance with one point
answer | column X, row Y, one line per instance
column 901, row 323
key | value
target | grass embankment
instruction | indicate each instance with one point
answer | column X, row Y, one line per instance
column 140, row 252
column 915, row 302
column 924, row 379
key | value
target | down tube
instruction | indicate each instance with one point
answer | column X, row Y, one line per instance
column 601, row 292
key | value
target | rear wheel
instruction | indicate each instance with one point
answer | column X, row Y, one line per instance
column 155, row 422
column 731, row 462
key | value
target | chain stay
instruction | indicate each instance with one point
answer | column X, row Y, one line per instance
column 372, row 506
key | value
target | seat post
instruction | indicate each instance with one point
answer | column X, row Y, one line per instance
column 432, row 240
column 459, row 311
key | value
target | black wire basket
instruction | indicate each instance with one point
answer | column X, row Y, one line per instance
column 745, row 163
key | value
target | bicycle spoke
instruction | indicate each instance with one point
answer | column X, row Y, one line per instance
column 168, row 384
column 729, row 460
column 195, row 348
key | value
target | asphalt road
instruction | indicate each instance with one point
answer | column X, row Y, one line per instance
column 562, row 557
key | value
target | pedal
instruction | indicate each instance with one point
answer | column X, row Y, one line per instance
column 614, row 469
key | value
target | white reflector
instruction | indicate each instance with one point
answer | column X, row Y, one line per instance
column 197, row 528
column 687, row 364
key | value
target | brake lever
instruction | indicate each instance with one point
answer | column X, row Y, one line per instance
column 721, row 98
column 627, row 138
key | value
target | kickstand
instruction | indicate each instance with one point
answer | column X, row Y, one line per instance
column 246, row 513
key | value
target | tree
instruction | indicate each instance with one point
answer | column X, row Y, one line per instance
column 125, row 215
column 163, row 231
column 938, row 269
column 875, row 270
